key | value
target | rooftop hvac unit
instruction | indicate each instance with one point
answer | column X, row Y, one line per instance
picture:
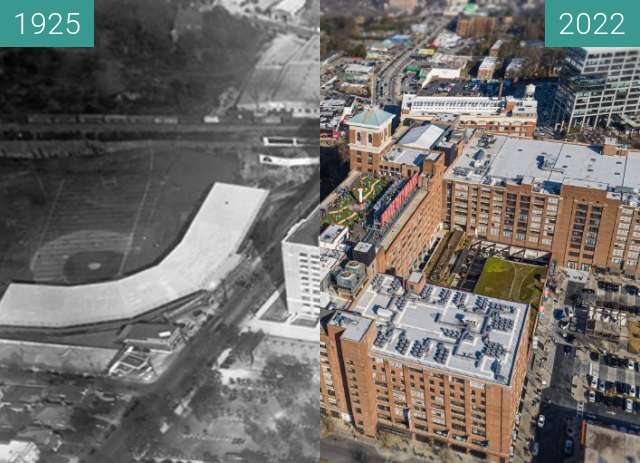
column 355, row 267
column 348, row 280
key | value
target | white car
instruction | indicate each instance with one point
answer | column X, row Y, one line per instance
column 628, row 405
column 541, row 421
column 592, row 396
column 631, row 365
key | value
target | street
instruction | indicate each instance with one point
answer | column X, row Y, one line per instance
column 210, row 341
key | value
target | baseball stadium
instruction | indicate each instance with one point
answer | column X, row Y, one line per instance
column 98, row 258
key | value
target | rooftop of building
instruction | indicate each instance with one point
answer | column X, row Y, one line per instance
column 601, row 50
column 146, row 331
column 451, row 87
column 423, row 137
column 488, row 61
column 609, row 446
column 306, row 231
column 371, row 118
column 331, row 234
column 446, row 329
column 357, row 68
column 355, row 326
column 547, row 165
column 416, row 145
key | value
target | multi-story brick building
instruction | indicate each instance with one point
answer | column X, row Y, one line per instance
column 476, row 26
column 369, row 138
column 508, row 115
column 576, row 202
column 444, row 364
column 419, row 158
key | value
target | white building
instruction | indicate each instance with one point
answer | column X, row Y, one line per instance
column 308, row 260
column 18, row 451
column 598, row 86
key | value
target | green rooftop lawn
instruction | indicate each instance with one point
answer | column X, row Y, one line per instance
column 511, row 280
column 343, row 214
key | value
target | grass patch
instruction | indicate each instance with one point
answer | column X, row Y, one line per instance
column 511, row 281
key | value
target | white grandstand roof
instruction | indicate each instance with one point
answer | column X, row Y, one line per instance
column 216, row 233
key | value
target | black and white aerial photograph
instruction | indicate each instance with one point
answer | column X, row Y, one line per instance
column 159, row 258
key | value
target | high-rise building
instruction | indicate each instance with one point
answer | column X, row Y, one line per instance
column 598, row 86
column 306, row 266
column 442, row 364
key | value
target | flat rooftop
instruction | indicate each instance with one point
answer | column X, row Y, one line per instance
column 355, row 325
column 216, row 232
column 546, row 164
column 446, row 329
column 451, row 87
column 306, row 231
column 609, row 446
column 423, row 137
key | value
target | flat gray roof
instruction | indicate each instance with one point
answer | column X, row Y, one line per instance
column 355, row 325
column 306, row 231
column 447, row 329
column 423, row 137
column 546, row 163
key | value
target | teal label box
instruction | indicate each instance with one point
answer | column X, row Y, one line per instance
column 46, row 23
column 592, row 23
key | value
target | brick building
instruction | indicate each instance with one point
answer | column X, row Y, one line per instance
column 420, row 154
column 476, row 26
column 576, row 202
column 445, row 365
column 506, row 115
column 369, row 138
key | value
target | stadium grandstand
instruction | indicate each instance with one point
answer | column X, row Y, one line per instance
column 214, row 235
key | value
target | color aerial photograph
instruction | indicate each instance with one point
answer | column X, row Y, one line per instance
column 480, row 226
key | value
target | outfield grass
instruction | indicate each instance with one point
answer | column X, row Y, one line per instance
column 135, row 203
column 512, row 281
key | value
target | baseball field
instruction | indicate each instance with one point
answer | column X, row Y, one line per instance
column 79, row 220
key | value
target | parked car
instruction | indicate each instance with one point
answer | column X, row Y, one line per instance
column 592, row 396
column 628, row 405
column 535, row 449
column 568, row 447
column 541, row 420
